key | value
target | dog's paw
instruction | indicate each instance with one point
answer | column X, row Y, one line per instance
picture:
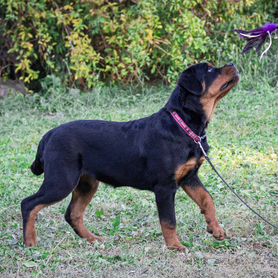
column 30, row 243
column 92, row 239
column 177, row 247
column 217, row 232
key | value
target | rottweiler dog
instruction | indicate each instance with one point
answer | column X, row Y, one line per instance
column 152, row 153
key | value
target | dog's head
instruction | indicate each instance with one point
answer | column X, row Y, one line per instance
column 208, row 84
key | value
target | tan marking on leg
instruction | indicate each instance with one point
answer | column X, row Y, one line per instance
column 79, row 203
column 30, row 229
column 171, row 238
column 205, row 202
column 184, row 169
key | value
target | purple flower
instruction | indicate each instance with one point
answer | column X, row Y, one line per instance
column 256, row 38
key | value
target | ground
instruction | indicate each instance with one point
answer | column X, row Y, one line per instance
column 243, row 139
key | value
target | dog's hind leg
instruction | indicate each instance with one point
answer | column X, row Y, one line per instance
column 60, row 180
column 81, row 197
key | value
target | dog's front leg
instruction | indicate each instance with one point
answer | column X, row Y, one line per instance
column 165, row 201
column 195, row 189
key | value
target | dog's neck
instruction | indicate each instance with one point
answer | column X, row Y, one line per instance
column 189, row 109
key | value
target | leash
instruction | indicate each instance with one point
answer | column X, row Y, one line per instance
column 198, row 140
column 232, row 190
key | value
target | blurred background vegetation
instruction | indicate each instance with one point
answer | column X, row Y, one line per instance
column 90, row 43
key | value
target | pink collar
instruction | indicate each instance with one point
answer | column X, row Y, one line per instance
column 186, row 128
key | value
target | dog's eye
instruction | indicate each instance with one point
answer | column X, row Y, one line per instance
column 210, row 69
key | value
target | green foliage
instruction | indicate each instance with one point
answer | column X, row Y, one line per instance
column 88, row 42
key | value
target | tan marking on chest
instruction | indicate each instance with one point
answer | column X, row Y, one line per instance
column 184, row 169
column 201, row 160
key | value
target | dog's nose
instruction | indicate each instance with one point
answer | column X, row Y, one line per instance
column 230, row 65
column 231, row 68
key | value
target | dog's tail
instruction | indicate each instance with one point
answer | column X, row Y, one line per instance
column 37, row 165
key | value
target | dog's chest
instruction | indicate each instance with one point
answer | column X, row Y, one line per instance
column 184, row 169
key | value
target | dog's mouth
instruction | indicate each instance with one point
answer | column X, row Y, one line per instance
column 230, row 83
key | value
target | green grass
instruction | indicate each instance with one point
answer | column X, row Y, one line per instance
column 243, row 138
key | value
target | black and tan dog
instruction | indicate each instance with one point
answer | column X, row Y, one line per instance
column 152, row 153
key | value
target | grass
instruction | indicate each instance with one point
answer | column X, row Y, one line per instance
column 243, row 138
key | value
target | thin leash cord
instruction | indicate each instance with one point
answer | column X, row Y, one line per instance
column 197, row 139
column 232, row 190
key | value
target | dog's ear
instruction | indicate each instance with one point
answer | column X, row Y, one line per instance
column 191, row 81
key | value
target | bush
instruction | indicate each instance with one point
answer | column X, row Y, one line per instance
column 89, row 42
